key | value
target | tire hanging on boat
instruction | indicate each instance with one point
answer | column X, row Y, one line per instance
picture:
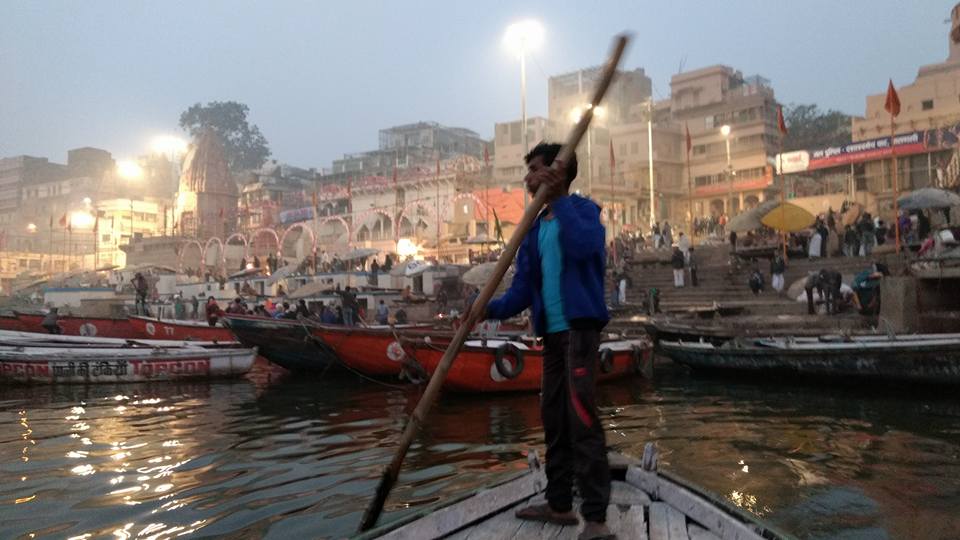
column 503, row 367
column 606, row 360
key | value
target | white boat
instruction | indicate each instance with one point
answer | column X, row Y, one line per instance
column 32, row 339
column 37, row 364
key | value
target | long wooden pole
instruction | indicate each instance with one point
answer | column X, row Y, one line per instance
column 390, row 474
column 783, row 198
column 896, row 187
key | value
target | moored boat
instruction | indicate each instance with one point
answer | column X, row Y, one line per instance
column 81, row 326
column 81, row 365
column 153, row 328
column 35, row 339
column 925, row 358
column 501, row 365
column 376, row 351
column 285, row 342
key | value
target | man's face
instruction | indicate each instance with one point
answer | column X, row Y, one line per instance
column 531, row 181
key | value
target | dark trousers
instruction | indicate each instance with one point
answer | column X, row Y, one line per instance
column 576, row 447
column 810, row 308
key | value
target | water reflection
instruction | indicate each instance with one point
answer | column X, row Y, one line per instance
column 280, row 456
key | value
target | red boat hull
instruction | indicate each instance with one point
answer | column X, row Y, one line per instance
column 12, row 323
column 180, row 331
column 475, row 370
column 82, row 326
column 373, row 351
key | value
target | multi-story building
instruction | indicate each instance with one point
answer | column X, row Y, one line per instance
column 569, row 92
column 929, row 115
column 703, row 101
column 19, row 173
column 410, row 145
column 926, row 144
column 508, row 166
column 120, row 222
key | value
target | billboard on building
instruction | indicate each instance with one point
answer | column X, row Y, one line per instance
column 904, row 144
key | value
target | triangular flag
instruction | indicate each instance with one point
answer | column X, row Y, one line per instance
column 689, row 140
column 498, row 230
column 781, row 124
column 892, row 105
column 613, row 158
column 63, row 220
column 486, row 156
column 438, row 166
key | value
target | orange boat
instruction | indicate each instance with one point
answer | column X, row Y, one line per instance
column 80, row 326
column 377, row 351
column 498, row 365
column 153, row 328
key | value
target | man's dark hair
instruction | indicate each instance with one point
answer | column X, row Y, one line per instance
column 549, row 152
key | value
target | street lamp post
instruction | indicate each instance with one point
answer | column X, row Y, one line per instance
column 653, row 215
column 725, row 131
column 521, row 37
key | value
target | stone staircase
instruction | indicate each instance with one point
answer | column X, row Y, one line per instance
column 721, row 283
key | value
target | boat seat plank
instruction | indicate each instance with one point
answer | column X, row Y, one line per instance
column 696, row 532
column 496, row 500
column 528, row 530
column 692, row 505
column 658, row 522
column 626, row 494
column 503, row 525
column 632, row 524
column 676, row 524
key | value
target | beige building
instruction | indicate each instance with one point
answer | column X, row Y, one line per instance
column 703, row 101
column 508, row 166
column 926, row 128
column 120, row 221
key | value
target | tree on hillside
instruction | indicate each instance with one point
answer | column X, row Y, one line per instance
column 246, row 148
column 809, row 127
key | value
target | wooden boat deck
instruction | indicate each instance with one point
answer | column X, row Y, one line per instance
column 643, row 505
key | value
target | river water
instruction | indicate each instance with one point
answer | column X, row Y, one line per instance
column 290, row 457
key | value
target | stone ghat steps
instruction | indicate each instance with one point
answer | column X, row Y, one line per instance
column 719, row 283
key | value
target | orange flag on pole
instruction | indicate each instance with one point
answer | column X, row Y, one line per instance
column 613, row 158
column 689, row 140
column 781, row 124
column 892, row 105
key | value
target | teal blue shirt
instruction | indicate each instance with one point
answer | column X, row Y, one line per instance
column 551, row 265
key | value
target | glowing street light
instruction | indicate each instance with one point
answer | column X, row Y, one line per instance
column 31, row 228
column 81, row 220
column 725, row 131
column 168, row 145
column 129, row 170
column 521, row 37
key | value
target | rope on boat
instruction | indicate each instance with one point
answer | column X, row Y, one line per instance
column 319, row 342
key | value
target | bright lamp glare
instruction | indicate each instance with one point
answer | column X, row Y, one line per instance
column 725, row 130
column 406, row 247
column 168, row 144
column 81, row 220
column 523, row 36
column 129, row 170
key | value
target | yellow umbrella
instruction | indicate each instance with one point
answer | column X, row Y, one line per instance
column 788, row 217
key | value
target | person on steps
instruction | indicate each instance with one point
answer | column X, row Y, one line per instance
column 677, row 262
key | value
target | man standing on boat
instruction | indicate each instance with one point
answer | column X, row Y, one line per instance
column 560, row 276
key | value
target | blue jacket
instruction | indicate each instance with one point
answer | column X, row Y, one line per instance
column 583, row 243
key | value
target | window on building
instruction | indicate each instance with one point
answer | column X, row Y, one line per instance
column 699, row 149
column 927, row 104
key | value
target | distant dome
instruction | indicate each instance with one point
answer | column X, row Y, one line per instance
column 205, row 167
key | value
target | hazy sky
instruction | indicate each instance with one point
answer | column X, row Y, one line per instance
column 322, row 77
